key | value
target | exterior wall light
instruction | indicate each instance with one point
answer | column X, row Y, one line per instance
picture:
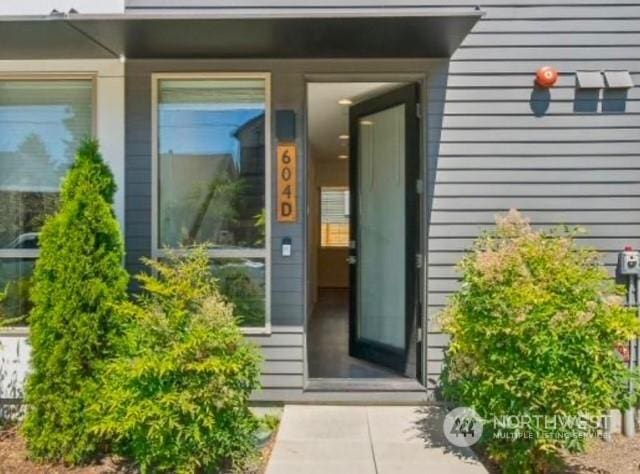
column 546, row 76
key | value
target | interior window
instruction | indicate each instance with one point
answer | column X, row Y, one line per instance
column 41, row 124
column 334, row 216
column 211, row 157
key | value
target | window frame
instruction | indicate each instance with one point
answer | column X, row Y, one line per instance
column 344, row 189
column 92, row 78
column 264, row 253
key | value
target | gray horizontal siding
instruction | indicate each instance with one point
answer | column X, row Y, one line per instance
column 492, row 189
column 557, row 163
column 564, row 156
column 493, row 142
column 472, row 230
column 238, row 4
column 556, row 216
column 282, row 349
column 535, row 201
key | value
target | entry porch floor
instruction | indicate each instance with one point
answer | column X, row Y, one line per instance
column 321, row 439
column 328, row 340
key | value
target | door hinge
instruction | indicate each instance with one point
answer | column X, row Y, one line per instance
column 418, row 260
column 351, row 260
column 419, row 334
column 419, row 186
column 418, row 111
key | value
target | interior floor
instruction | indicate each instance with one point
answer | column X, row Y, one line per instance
column 328, row 341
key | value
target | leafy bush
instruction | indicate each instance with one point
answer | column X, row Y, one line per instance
column 14, row 302
column 176, row 399
column 533, row 327
column 243, row 292
column 77, row 280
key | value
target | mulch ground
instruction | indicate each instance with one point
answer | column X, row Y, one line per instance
column 13, row 460
column 620, row 456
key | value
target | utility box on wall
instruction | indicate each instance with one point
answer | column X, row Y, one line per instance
column 629, row 262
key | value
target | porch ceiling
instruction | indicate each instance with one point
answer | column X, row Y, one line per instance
column 282, row 33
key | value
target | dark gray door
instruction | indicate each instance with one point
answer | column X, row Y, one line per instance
column 384, row 167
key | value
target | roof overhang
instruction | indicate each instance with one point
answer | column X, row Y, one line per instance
column 290, row 33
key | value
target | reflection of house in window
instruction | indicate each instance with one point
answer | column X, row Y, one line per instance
column 200, row 204
column 334, row 216
column 213, row 198
column 251, row 138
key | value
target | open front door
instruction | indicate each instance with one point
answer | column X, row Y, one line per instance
column 384, row 168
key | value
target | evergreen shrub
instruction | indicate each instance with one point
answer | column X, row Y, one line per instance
column 78, row 280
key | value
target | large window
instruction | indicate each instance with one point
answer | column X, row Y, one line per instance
column 211, row 156
column 41, row 125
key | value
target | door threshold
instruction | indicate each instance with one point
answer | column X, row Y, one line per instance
column 390, row 384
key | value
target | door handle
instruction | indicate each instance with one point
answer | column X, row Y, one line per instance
column 351, row 260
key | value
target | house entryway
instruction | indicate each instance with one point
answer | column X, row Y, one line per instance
column 328, row 345
column 363, row 231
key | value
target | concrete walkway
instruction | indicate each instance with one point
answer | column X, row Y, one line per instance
column 368, row 440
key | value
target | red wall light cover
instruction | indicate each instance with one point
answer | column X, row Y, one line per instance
column 546, row 76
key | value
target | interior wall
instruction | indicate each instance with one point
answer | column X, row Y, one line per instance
column 333, row 270
column 328, row 115
column 313, row 235
column 327, row 266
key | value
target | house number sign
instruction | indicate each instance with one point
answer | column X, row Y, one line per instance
column 287, row 190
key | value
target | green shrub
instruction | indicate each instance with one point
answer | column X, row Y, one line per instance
column 77, row 280
column 533, row 330
column 176, row 400
column 14, row 302
column 243, row 292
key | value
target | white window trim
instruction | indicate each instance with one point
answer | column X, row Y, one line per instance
column 108, row 113
column 156, row 251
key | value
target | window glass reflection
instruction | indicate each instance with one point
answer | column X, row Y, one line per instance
column 41, row 125
column 15, row 285
column 242, row 281
column 211, row 154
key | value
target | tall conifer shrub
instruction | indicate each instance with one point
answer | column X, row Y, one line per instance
column 77, row 281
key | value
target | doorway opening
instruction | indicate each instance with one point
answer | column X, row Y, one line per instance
column 363, row 150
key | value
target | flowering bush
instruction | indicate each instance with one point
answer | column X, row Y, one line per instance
column 533, row 330
column 176, row 398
